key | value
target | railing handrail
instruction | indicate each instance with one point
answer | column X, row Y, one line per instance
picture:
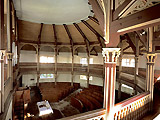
column 132, row 99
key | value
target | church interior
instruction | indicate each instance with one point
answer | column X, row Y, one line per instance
column 79, row 59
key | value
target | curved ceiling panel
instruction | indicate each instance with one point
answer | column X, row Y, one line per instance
column 53, row 11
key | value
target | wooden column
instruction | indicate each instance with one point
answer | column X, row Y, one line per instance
column 150, row 67
column 9, row 27
column 88, row 58
column 120, row 71
column 2, row 53
column 136, row 64
column 72, row 79
column 110, row 55
column 38, row 66
column 10, row 68
column 56, row 65
column 56, row 50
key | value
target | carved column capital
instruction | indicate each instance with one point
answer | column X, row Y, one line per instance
column 2, row 54
column 111, row 54
column 151, row 58
column 9, row 56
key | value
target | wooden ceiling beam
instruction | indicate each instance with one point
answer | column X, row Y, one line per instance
column 122, row 8
column 94, row 19
column 55, row 34
column 98, row 12
column 87, row 42
column 95, row 32
column 137, row 21
column 40, row 33
column 126, row 48
column 70, row 37
column 130, row 42
column 142, row 38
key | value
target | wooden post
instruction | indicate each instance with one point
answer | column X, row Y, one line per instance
column 88, row 58
column 56, row 65
column 38, row 66
column 9, row 27
column 72, row 69
column 2, row 54
column 136, row 64
column 150, row 67
column 120, row 71
column 110, row 55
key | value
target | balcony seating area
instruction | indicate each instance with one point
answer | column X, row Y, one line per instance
column 88, row 99
column 54, row 93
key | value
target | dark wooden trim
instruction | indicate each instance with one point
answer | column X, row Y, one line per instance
column 40, row 33
column 98, row 12
column 55, row 35
column 137, row 21
column 130, row 43
column 143, row 39
column 70, row 37
column 94, row 19
column 126, row 48
column 95, row 32
column 87, row 42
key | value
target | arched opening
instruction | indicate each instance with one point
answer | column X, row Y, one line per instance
column 28, row 54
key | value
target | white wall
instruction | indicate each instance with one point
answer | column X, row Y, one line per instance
column 142, row 61
column 63, row 57
column 28, row 56
column 9, row 113
column 26, row 80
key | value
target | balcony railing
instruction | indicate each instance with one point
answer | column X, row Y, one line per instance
column 135, row 107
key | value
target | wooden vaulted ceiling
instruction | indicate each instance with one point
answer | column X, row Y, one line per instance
column 87, row 32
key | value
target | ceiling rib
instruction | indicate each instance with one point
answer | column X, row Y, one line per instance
column 40, row 33
column 84, row 37
column 55, row 35
column 95, row 32
column 93, row 19
column 70, row 37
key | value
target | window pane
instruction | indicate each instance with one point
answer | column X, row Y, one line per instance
column 45, row 59
column 83, row 61
column 44, row 76
column 91, row 61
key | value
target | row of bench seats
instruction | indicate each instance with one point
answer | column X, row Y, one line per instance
column 88, row 99
column 54, row 93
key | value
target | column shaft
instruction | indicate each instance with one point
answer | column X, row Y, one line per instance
column 88, row 72
column 150, row 77
column 2, row 53
column 55, row 65
column 120, row 71
column 110, row 55
column 38, row 66
column 72, row 69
